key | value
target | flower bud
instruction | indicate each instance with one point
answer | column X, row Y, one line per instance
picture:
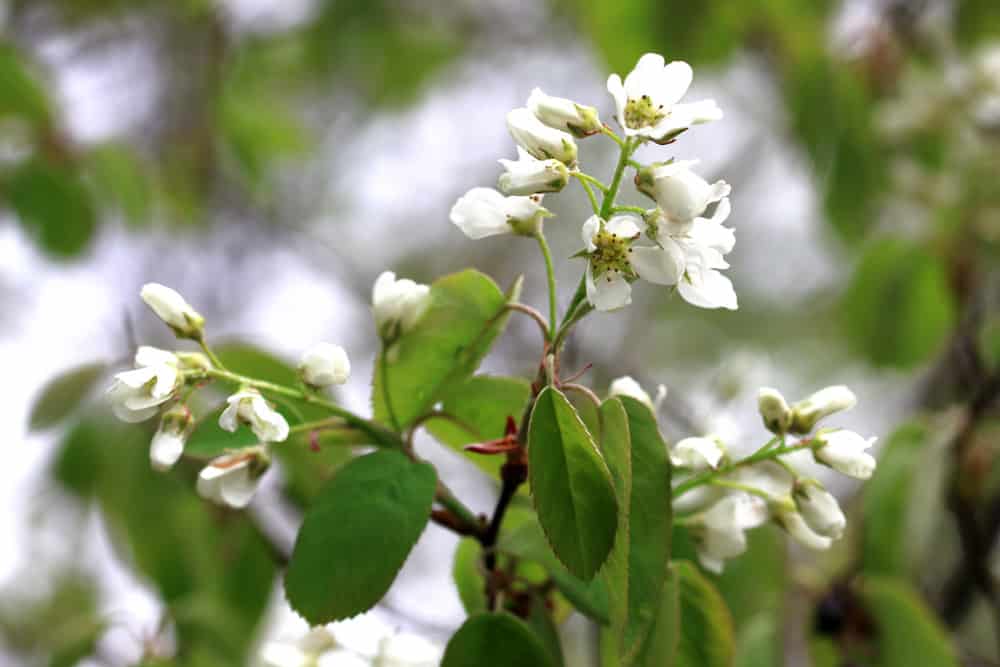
column 844, row 451
column 819, row 509
column 232, row 479
column 175, row 312
column 821, row 404
column 626, row 386
column 168, row 441
column 397, row 304
column 796, row 526
column 564, row 114
column 193, row 361
column 539, row 139
column 248, row 407
column 697, row 453
column 528, row 175
column 137, row 395
column 774, row 410
column 678, row 191
column 324, row 364
column 483, row 212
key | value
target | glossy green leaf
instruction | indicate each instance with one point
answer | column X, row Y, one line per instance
column 617, row 450
column 482, row 404
column 53, row 205
column 357, row 534
column 467, row 573
column 544, row 626
column 62, row 395
column 887, row 542
column 467, row 312
column 661, row 645
column 908, row 632
column 571, row 485
column 898, row 308
column 499, row 640
column 706, row 634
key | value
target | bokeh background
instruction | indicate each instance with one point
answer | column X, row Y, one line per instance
column 269, row 158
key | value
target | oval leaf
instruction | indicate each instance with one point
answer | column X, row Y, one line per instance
column 357, row 534
column 466, row 570
column 467, row 312
column 497, row 640
column 908, row 632
column 63, row 394
column 706, row 631
column 571, row 485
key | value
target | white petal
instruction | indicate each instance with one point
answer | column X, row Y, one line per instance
column 713, row 290
column 147, row 355
column 800, row 531
column 479, row 213
column 697, row 453
column 590, row 229
column 610, row 292
column 627, row 386
column 165, row 449
column 617, row 91
column 623, row 226
column 662, row 266
column 228, row 420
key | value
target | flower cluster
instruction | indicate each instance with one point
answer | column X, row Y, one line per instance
column 688, row 243
column 162, row 381
column 738, row 495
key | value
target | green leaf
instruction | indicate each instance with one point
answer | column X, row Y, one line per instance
column 53, row 205
column 20, row 93
column 122, row 179
column 660, row 647
column 467, row 573
column 706, row 636
column 501, row 640
column 482, row 403
column 467, row 312
column 62, row 395
column 541, row 622
column 759, row 642
column 357, row 534
column 649, row 523
column 887, row 544
column 908, row 632
column 526, row 541
column 571, row 485
column 898, row 308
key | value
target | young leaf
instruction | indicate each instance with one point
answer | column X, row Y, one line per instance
column 571, row 485
column 63, row 394
column 357, row 534
column 499, row 640
column 467, row 312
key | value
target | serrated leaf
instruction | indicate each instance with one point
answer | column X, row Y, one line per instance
column 571, row 485
column 706, row 631
column 357, row 534
column 62, row 395
column 908, row 632
column 501, row 640
column 482, row 403
column 466, row 571
column 467, row 312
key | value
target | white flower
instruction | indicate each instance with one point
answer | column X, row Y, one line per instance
column 325, row 364
column 528, row 175
column 844, row 451
column 304, row 652
column 564, row 114
column 407, row 650
column 168, row 441
column 483, row 212
column 689, row 255
column 137, row 395
column 774, row 410
column 819, row 509
column 647, row 101
column 609, row 270
column 232, row 479
column 821, row 404
column 247, row 406
column 539, row 139
column 397, row 304
column 171, row 307
column 626, row 386
column 680, row 193
column 697, row 453
column 720, row 529
column 800, row 531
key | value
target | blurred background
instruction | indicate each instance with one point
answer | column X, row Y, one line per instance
column 269, row 158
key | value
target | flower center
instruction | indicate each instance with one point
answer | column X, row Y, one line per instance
column 611, row 255
column 642, row 112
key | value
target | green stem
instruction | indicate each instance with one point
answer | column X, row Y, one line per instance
column 609, row 132
column 383, row 369
column 746, row 488
column 628, row 209
column 447, row 499
column 550, row 276
column 319, row 424
column 711, row 476
column 587, row 178
column 379, row 434
column 208, row 353
column 612, row 192
column 590, row 192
